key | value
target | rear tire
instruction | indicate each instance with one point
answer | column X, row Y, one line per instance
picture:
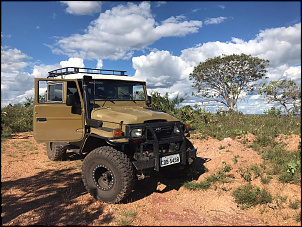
column 56, row 151
column 108, row 174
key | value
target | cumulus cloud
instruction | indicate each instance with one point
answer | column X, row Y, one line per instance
column 279, row 45
column 293, row 73
column 120, row 31
column 16, row 84
column 167, row 73
column 82, row 7
column 13, row 82
column 13, row 60
column 73, row 62
column 163, row 73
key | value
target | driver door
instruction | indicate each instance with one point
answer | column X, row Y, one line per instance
column 53, row 120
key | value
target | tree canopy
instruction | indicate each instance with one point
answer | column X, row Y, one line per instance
column 224, row 78
column 285, row 92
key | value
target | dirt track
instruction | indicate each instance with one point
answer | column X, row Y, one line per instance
column 37, row 191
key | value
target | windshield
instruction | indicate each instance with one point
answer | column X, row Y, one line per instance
column 116, row 90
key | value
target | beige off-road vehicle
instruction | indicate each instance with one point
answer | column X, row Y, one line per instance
column 106, row 116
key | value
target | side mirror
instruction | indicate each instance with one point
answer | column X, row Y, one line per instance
column 148, row 101
column 70, row 101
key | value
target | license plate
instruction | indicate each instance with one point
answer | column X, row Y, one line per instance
column 169, row 160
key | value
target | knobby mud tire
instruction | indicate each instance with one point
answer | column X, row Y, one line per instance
column 56, row 151
column 108, row 174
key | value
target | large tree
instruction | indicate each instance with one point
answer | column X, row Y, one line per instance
column 285, row 92
column 224, row 78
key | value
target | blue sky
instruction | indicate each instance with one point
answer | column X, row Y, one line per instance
column 160, row 42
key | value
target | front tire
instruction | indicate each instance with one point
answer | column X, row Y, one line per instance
column 108, row 174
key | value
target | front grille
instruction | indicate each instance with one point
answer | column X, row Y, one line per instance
column 161, row 132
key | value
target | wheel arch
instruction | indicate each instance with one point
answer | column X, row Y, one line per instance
column 92, row 141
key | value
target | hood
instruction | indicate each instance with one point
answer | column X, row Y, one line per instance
column 128, row 115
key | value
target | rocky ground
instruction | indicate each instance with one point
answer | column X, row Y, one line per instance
column 37, row 191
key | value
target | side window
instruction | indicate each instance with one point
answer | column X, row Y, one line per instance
column 138, row 92
column 55, row 92
column 50, row 92
column 72, row 89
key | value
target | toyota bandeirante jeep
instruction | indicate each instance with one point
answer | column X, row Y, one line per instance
column 106, row 116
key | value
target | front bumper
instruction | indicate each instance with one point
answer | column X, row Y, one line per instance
column 154, row 162
column 177, row 145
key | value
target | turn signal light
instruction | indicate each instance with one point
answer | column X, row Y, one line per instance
column 187, row 126
column 117, row 132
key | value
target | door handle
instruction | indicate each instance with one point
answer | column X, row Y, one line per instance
column 41, row 119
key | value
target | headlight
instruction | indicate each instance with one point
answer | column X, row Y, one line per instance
column 176, row 129
column 138, row 132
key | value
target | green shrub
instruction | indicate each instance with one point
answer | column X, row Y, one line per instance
column 298, row 217
column 16, row 118
column 294, row 205
column 249, row 195
column 219, row 176
column 203, row 185
column 285, row 164
column 266, row 180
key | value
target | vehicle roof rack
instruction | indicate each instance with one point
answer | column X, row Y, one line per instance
column 73, row 70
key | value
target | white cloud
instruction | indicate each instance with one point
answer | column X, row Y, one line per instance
column 5, row 36
column 13, row 85
column 73, row 62
column 120, row 31
column 13, row 59
column 159, row 69
column 293, row 73
column 279, row 45
column 163, row 71
column 83, row 7
column 42, row 70
column 16, row 84
column 160, row 3
column 99, row 64
column 216, row 20
column 167, row 73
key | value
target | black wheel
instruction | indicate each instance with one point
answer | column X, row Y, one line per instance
column 56, row 151
column 108, row 174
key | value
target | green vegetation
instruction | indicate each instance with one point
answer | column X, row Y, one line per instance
column 294, row 205
column 16, row 118
column 127, row 217
column 222, row 125
column 283, row 163
column 249, row 195
column 220, row 176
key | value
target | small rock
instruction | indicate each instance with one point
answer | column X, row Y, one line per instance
column 273, row 205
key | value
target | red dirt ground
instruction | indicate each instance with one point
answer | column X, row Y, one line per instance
column 37, row 191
